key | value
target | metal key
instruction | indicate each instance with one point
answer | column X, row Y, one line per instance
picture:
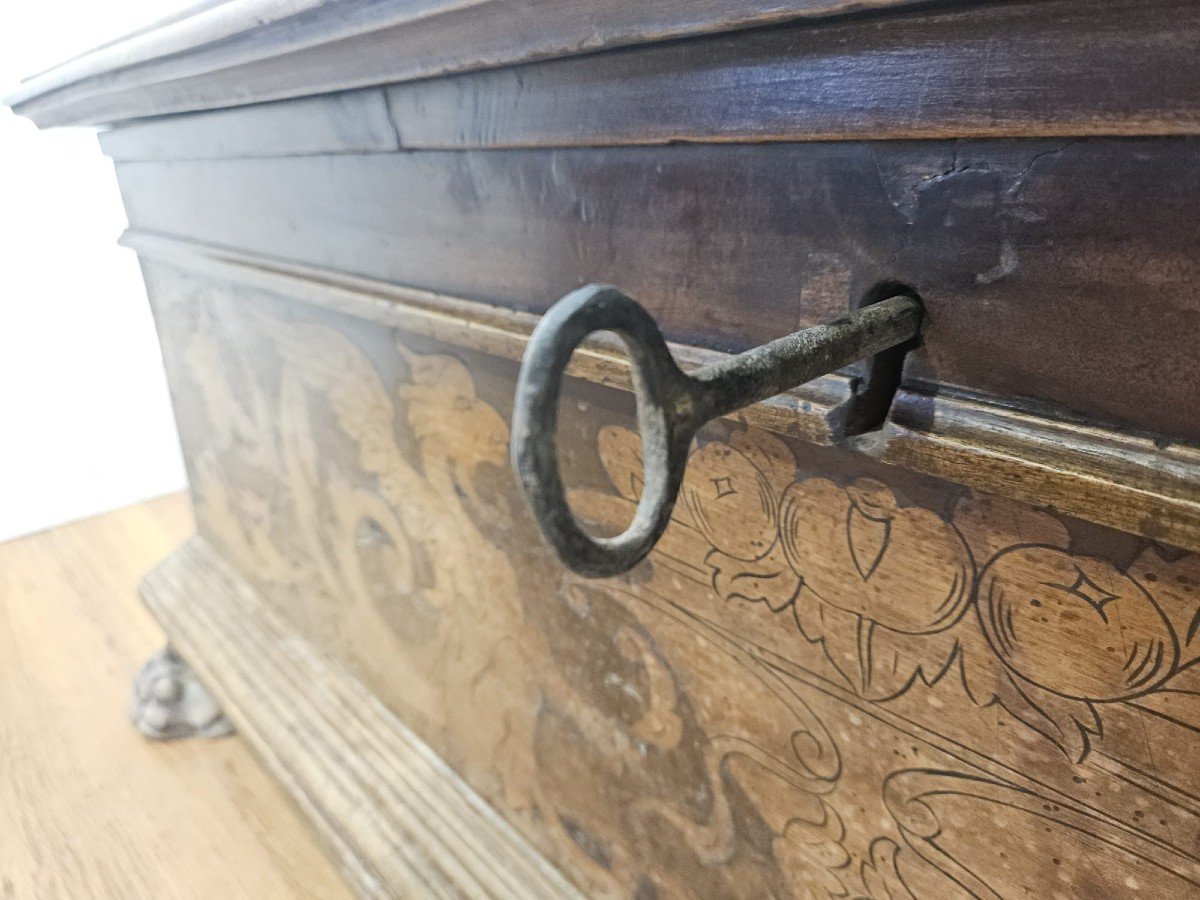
column 671, row 405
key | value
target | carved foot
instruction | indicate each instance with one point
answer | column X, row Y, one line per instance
column 169, row 702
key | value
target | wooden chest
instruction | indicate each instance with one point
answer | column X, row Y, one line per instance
column 923, row 627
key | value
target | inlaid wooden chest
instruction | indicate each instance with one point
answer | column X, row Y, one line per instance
column 926, row 626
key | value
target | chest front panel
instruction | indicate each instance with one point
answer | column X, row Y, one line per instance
column 832, row 678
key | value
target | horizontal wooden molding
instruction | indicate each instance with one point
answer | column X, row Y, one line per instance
column 1037, row 69
column 1124, row 481
column 251, row 51
column 1047, row 69
column 348, row 122
column 397, row 819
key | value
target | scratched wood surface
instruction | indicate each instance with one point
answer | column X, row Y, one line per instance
column 1066, row 68
column 1063, row 68
column 88, row 807
column 1037, row 290
column 833, row 678
column 248, row 51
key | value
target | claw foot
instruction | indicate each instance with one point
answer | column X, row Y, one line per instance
column 169, row 702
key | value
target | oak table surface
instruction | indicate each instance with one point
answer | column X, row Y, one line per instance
column 88, row 807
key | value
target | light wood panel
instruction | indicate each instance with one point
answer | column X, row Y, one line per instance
column 403, row 823
column 88, row 807
column 830, row 678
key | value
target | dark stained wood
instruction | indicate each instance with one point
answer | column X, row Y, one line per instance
column 249, row 51
column 352, row 122
column 1074, row 67
column 1027, row 69
column 1048, row 268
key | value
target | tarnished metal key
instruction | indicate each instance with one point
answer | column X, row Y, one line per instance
column 672, row 405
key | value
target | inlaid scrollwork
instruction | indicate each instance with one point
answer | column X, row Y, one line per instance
column 641, row 731
column 896, row 594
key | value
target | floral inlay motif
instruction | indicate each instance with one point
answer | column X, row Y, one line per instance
column 896, row 594
column 646, row 744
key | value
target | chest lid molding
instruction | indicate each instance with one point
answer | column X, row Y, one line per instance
column 219, row 54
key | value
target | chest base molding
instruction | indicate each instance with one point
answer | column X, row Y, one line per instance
column 395, row 817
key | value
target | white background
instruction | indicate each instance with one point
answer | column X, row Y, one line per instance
column 85, row 420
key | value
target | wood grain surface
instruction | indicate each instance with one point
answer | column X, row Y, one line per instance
column 393, row 814
column 255, row 50
column 1041, row 69
column 88, row 807
column 954, row 656
column 1047, row 268
column 350, row 122
column 1125, row 481
column 832, row 677
column 1059, row 69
